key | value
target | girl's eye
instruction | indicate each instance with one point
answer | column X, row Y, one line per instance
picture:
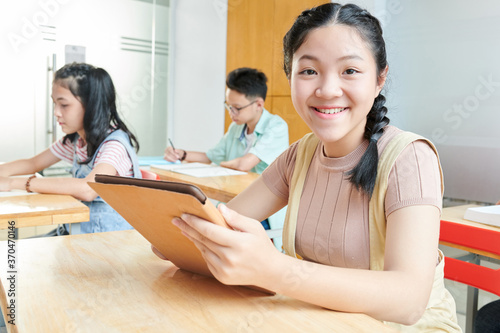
column 308, row 72
column 350, row 71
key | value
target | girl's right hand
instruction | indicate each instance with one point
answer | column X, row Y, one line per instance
column 238, row 256
column 172, row 155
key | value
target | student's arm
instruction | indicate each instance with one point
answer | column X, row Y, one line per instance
column 76, row 187
column 257, row 201
column 29, row 165
column 172, row 155
column 244, row 163
column 246, row 256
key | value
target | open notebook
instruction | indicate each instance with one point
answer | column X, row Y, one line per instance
column 150, row 205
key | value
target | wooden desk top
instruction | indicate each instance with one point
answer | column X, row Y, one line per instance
column 221, row 188
column 112, row 282
column 41, row 209
column 455, row 215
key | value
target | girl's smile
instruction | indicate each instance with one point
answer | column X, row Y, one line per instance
column 334, row 82
column 329, row 112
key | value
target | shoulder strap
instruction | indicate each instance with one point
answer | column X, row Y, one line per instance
column 377, row 222
column 305, row 151
column 124, row 139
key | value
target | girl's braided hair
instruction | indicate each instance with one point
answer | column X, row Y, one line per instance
column 363, row 175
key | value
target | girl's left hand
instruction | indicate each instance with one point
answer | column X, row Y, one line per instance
column 240, row 256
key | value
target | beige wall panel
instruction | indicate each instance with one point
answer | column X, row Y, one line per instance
column 285, row 13
column 297, row 128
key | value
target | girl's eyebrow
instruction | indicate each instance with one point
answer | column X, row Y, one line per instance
column 343, row 58
column 350, row 57
column 308, row 57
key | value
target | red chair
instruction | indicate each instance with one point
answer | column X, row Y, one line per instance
column 149, row 175
column 482, row 244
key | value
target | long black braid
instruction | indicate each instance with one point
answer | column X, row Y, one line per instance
column 363, row 175
column 365, row 172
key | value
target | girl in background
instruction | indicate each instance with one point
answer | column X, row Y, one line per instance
column 364, row 198
column 97, row 142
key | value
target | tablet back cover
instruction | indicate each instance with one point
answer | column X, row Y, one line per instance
column 150, row 211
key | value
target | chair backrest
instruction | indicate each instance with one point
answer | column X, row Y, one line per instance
column 483, row 240
column 149, row 175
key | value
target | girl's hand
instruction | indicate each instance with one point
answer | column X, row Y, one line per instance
column 240, row 256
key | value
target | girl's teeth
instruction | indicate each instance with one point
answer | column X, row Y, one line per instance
column 330, row 111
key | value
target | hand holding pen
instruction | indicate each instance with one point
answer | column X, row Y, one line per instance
column 174, row 155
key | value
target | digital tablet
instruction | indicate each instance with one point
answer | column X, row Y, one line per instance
column 150, row 205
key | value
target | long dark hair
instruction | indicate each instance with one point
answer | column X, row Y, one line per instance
column 365, row 172
column 95, row 90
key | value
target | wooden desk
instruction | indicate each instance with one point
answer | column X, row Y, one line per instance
column 221, row 188
column 41, row 209
column 112, row 282
column 455, row 216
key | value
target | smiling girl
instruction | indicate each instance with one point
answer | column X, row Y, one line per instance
column 364, row 198
column 96, row 142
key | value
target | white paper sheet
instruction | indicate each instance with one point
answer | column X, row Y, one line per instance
column 14, row 193
column 200, row 169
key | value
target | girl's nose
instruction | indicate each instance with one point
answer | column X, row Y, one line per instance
column 57, row 111
column 330, row 87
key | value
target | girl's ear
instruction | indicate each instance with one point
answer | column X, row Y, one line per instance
column 381, row 79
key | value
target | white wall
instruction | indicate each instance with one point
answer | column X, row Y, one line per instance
column 32, row 31
column 196, row 111
column 444, row 83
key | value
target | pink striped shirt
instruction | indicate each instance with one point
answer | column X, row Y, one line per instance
column 112, row 153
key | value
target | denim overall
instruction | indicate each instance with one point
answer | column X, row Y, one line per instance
column 102, row 216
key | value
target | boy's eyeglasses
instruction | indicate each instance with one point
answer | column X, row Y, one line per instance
column 234, row 109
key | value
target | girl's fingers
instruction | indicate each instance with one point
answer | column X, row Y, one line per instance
column 203, row 230
column 158, row 253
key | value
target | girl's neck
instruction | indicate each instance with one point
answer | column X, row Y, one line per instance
column 343, row 146
column 81, row 133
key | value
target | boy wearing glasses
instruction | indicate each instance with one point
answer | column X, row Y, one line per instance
column 255, row 137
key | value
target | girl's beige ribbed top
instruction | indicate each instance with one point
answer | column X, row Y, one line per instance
column 332, row 225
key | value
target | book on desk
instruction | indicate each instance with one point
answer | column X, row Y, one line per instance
column 486, row 215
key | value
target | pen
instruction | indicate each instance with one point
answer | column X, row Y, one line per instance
column 172, row 144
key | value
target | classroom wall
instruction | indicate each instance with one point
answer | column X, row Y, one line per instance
column 444, row 83
column 197, row 83
column 36, row 34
